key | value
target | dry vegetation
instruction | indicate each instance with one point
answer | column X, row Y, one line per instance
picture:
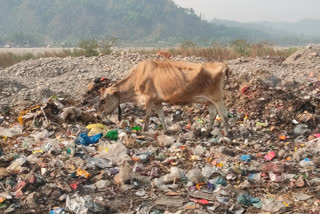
column 236, row 49
column 10, row 58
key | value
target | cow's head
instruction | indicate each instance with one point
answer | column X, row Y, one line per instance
column 109, row 100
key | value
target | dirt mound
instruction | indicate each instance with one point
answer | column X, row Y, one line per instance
column 309, row 55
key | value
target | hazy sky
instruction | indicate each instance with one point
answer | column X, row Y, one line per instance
column 255, row 10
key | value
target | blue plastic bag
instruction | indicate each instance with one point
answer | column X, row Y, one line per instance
column 248, row 200
column 57, row 211
column 246, row 158
column 84, row 139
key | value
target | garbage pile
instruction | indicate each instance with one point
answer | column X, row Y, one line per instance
column 58, row 157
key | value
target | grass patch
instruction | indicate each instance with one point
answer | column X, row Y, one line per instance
column 86, row 48
column 236, row 49
column 8, row 58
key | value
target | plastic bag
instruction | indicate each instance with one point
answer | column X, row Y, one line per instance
column 11, row 132
column 96, row 128
column 85, row 140
column 83, row 205
column 112, row 135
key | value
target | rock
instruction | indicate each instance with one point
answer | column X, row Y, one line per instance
column 169, row 202
column 272, row 206
column 195, row 176
column 125, row 174
column 165, row 140
column 302, row 197
column 175, row 128
column 199, row 150
column 102, row 184
column 175, row 175
column 31, row 200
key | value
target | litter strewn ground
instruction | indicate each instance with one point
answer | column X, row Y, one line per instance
column 56, row 156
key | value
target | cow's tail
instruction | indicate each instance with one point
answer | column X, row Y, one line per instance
column 226, row 72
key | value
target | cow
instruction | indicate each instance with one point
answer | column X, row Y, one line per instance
column 152, row 82
column 164, row 54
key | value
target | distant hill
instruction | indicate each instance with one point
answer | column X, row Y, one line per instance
column 143, row 22
column 303, row 31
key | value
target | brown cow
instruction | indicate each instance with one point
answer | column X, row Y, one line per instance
column 152, row 82
column 164, row 54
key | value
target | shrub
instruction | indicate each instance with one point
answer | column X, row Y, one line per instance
column 188, row 44
column 88, row 48
column 241, row 46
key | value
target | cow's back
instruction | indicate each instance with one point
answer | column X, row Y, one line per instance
column 177, row 82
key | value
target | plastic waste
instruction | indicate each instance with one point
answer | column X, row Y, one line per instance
column 85, row 140
column 247, row 200
column 246, row 158
column 276, row 178
column 256, row 176
column 83, row 204
column 11, row 132
column 42, row 136
column 143, row 157
column 112, row 135
column 57, row 211
column 17, row 164
column 102, row 184
column 261, row 124
column 136, row 128
column 282, row 137
column 116, row 152
column 100, row 162
column 270, row 156
column 272, row 206
column 201, row 201
column 71, row 149
column 83, row 173
column 74, row 185
column 220, row 180
column 306, row 162
column 96, row 128
column 301, row 129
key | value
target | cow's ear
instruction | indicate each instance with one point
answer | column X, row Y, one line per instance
column 102, row 90
column 115, row 92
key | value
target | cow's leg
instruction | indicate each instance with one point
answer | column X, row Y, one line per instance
column 161, row 116
column 148, row 108
column 223, row 112
column 213, row 115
